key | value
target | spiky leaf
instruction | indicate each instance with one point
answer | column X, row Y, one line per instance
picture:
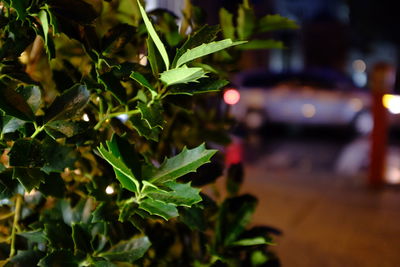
column 205, row 49
column 182, row 75
column 185, row 162
column 154, row 36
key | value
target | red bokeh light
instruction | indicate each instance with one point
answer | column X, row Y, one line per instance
column 231, row 96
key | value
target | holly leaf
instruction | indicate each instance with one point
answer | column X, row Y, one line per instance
column 81, row 238
column 14, row 104
column 226, row 20
column 246, row 22
column 276, row 22
column 57, row 157
column 152, row 114
column 185, row 162
column 57, row 129
column 11, row 124
column 20, row 7
column 65, row 258
column 204, row 34
column 159, row 208
column 112, row 84
column 30, row 178
column 262, row 44
column 260, row 240
column 68, row 104
column 26, row 153
column 235, row 214
column 143, row 82
column 53, row 185
column 205, row 49
column 180, row 194
column 204, row 86
column 32, row 96
column 182, row 75
column 123, row 173
column 59, row 235
column 121, row 148
column 26, row 258
column 8, row 186
column 128, row 251
column 36, row 236
column 142, row 127
column 152, row 32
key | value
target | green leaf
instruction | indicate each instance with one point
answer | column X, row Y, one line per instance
column 45, row 24
column 30, row 178
column 235, row 214
column 81, row 238
column 64, row 258
column 20, row 7
column 226, row 20
column 58, row 129
column 153, row 114
column 142, row 127
column 105, row 212
column 185, row 162
column 159, row 208
column 180, row 194
column 14, row 104
column 68, row 104
column 121, row 148
column 262, row 44
column 154, row 57
column 260, row 240
column 128, row 251
column 59, row 235
column 204, row 86
column 205, row 34
column 258, row 258
column 57, row 157
column 53, row 185
column 143, row 82
column 182, row 75
column 26, row 258
column 117, row 37
column 49, row 43
column 102, row 263
column 26, row 153
column 205, row 49
column 36, row 236
column 276, row 22
column 246, row 22
column 193, row 217
column 52, row 20
column 123, row 173
column 8, row 186
column 113, row 84
column 32, row 95
column 11, row 124
column 154, row 36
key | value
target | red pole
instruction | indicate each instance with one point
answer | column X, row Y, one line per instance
column 382, row 82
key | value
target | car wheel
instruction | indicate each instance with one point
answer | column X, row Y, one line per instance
column 363, row 123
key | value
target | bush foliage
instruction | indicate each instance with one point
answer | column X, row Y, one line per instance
column 103, row 125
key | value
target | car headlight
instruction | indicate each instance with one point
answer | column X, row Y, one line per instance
column 392, row 103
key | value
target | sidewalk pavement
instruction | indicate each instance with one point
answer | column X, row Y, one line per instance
column 327, row 220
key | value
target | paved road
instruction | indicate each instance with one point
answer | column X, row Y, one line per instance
column 328, row 216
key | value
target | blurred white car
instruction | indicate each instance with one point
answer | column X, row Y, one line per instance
column 306, row 98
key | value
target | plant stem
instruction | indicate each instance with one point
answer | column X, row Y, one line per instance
column 18, row 204
column 115, row 114
column 37, row 130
